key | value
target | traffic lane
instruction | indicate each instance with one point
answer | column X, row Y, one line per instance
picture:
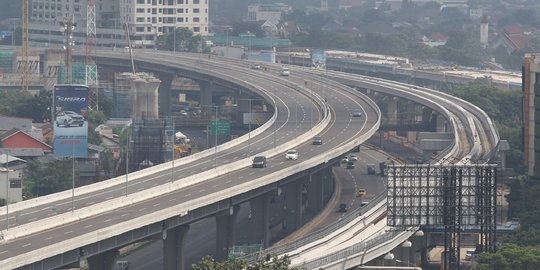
column 61, row 206
column 57, row 234
column 346, row 136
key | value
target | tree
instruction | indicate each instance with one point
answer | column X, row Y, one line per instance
column 96, row 117
column 268, row 262
column 182, row 41
column 510, row 257
column 43, row 179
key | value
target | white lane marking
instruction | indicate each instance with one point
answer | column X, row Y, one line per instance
column 68, row 232
column 202, row 190
column 88, row 226
column 240, row 177
column 216, row 185
column 204, row 168
column 157, row 204
column 187, row 195
column 228, row 181
column 32, row 219
column 48, row 238
column 3, row 252
column 107, row 220
column 251, row 173
column 108, row 198
column 124, row 215
column 172, row 200
column 26, row 245
column 142, row 209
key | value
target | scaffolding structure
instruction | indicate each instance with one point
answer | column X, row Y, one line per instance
column 451, row 196
column 150, row 139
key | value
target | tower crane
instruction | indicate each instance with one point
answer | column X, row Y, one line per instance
column 24, row 49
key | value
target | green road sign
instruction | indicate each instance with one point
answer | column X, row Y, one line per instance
column 223, row 128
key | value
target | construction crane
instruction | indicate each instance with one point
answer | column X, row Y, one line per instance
column 24, row 49
column 91, row 67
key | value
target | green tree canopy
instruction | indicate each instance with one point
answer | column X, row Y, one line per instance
column 181, row 40
column 510, row 257
column 42, row 179
column 268, row 262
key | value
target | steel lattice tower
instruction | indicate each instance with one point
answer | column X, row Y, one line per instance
column 91, row 67
column 24, row 63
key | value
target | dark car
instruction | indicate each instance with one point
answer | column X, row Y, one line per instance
column 259, row 162
column 317, row 140
column 342, row 208
column 357, row 113
column 350, row 164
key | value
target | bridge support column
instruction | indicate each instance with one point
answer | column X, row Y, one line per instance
column 259, row 229
column 173, row 247
column 392, row 113
column 315, row 192
column 225, row 231
column 411, row 116
column 328, row 183
column 206, row 93
column 104, row 260
column 293, row 205
column 441, row 123
column 165, row 93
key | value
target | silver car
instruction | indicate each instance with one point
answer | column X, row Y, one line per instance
column 69, row 118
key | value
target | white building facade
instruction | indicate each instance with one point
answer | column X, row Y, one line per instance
column 147, row 19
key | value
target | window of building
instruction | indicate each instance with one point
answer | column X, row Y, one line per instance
column 180, row 19
column 181, row 2
column 140, row 10
column 196, row 19
column 196, row 2
column 139, row 19
column 179, row 10
column 196, row 29
column 140, row 1
column 196, row 10
column 139, row 29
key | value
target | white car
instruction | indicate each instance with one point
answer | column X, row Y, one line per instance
column 284, row 71
column 69, row 118
column 292, row 154
column 353, row 157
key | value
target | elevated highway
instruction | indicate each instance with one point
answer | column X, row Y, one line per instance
column 363, row 235
column 360, row 238
column 58, row 230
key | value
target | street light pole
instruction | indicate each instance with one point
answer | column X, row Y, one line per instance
column 72, row 177
column 7, row 192
column 249, row 128
column 127, row 163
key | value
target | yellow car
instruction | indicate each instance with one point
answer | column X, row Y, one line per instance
column 361, row 192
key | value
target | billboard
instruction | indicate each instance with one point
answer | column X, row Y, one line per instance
column 318, row 59
column 70, row 103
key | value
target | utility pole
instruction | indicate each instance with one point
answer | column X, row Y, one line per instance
column 24, row 64
column 69, row 26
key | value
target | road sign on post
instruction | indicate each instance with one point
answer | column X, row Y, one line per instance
column 223, row 128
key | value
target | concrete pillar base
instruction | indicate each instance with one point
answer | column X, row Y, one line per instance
column 103, row 261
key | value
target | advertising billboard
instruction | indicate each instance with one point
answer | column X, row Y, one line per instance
column 70, row 103
column 318, row 59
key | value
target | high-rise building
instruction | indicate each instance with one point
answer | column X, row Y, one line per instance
column 146, row 19
column 531, row 117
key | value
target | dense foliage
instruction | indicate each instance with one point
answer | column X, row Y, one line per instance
column 46, row 178
column 24, row 104
column 266, row 263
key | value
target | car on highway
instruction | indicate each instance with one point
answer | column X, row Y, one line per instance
column 371, row 169
column 259, row 162
column 255, row 66
column 342, row 208
column 317, row 140
column 361, row 192
column 69, row 118
column 350, row 164
column 353, row 157
column 344, row 159
column 291, row 154
column 284, row 71
column 357, row 113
